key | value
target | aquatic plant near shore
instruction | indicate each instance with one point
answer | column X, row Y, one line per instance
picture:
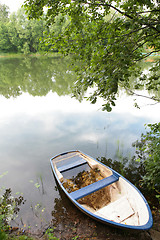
column 9, row 208
column 148, row 152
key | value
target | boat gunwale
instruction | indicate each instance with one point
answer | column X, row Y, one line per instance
column 146, row 226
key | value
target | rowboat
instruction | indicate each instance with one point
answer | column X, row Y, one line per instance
column 100, row 192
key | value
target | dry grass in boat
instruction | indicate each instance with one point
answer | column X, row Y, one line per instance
column 95, row 200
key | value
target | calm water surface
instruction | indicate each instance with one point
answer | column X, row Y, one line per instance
column 39, row 119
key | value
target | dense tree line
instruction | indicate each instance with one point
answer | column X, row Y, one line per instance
column 20, row 35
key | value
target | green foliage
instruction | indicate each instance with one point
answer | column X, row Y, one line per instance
column 148, row 152
column 17, row 34
column 3, row 235
column 4, row 12
column 22, row 237
column 50, row 234
column 75, row 238
column 9, row 207
column 5, row 45
column 20, row 35
column 109, row 39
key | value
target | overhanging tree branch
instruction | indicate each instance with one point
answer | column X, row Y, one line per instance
column 125, row 14
column 130, row 92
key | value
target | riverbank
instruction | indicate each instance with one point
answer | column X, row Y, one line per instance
column 83, row 227
column 70, row 223
column 22, row 55
column 78, row 226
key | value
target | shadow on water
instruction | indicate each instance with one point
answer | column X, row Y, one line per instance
column 128, row 168
column 133, row 171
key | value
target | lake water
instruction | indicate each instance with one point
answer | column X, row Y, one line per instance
column 39, row 119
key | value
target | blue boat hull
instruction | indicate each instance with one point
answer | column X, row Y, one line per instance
column 88, row 190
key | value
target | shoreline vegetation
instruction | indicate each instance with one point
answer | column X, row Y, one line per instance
column 54, row 53
column 21, row 55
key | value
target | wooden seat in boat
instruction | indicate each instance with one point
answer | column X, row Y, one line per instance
column 117, row 211
column 78, row 162
column 82, row 192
